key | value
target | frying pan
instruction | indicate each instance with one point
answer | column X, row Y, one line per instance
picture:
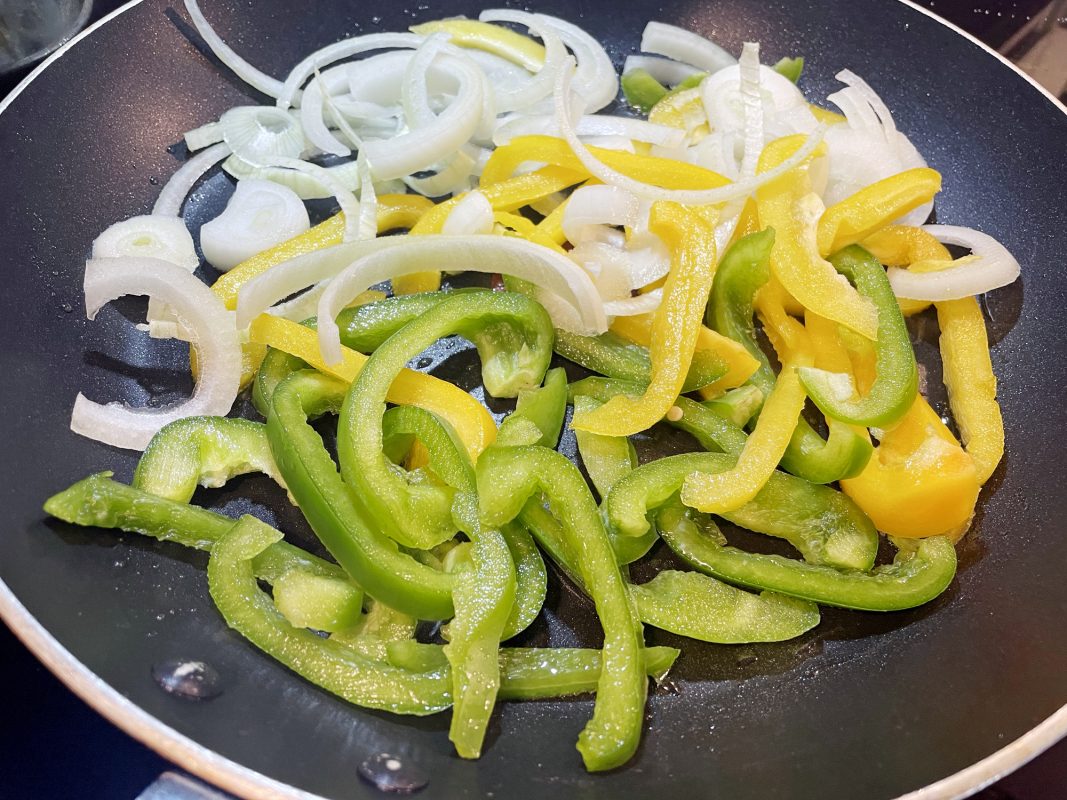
column 948, row 696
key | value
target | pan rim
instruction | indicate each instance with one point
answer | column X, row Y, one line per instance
column 247, row 783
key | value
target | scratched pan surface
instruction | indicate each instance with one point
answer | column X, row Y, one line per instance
column 865, row 705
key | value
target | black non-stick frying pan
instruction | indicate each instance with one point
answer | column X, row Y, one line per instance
column 865, row 705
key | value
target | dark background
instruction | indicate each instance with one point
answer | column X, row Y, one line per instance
column 54, row 746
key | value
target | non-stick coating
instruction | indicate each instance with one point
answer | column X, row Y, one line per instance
column 865, row 705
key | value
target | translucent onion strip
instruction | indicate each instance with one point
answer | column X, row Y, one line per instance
column 539, row 86
column 598, row 205
column 149, row 236
column 255, row 78
column 685, row 46
column 203, row 316
column 595, row 78
column 995, row 267
column 174, row 192
column 540, row 266
column 637, row 130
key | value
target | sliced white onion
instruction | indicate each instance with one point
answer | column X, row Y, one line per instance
column 255, row 78
column 204, row 136
column 313, row 108
column 368, row 201
column 684, row 46
column 631, row 307
column 539, row 86
column 286, row 279
column 752, row 105
column 783, row 105
column 305, row 186
column 450, row 178
column 259, row 215
column 336, row 52
column 637, row 130
column 595, row 79
column 665, row 70
column 596, row 206
column 471, row 216
column 994, row 268
column 620, row 143
column 212, row 332
column 494, row 254
column 344, row 196
column 647, row 191
column 174, row 191
column 149, row 236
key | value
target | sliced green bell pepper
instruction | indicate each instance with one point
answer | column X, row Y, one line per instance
column 538, row 415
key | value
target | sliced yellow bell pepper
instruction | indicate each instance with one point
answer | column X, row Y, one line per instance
column 495, row 39
column 788, row 205
column 875, row 206
column 551, row 227
column 741, row 363
column 723, row 492
column 663, row 172
column 919, row 482
column 691, row 241
column 972, row 386
column 469, row 419
column 826, row 115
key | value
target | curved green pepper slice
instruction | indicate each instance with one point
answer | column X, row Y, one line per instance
column 820, row 522
column 897, row 381
column 402, row 425
column 743, row 270
column 372, row 559
column 515, row 341
column 507, row 478
column 922, row 569
column 538, row 415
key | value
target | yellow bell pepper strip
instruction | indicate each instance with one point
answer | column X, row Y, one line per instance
column 665, row 172
column 550, row 229
column 875, row 206
column 739, row 362
column 469, row 419
column 495, row 39
column 788, row 205
column 901, row 246
column 825, row 115
column 722, row 492
column 972, row 386
column 919, row 481
column 674, row 332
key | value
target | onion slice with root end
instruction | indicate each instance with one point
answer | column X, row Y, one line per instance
column 994, row 268
column 685, row 46
column 538, row 265
column 259, row 215
column 174, row 192
column 648, row 191
column 202, row 315
column 149, row 236
column 346, row 199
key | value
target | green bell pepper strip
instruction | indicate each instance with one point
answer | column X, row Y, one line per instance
column 641, row 90
column 334, row 667
column 543, row 407
column 738, row 406
column 700, row 607
column 515, row 336
column 484, row 595
column 531, row 578
column 205, row 451
column 276, row 366
column 790, row 67
column 824, row 525
column 549, row 534
column 534, row 673
column 401, row 425
column 379, row 627
column 691, row 82
column 372, row 559
column 312, row 601
column 897, row 381
column 711, row 429
column 743, row 270
column 507, row 478
column 616, row 357
column 921, row 571
column 98, row 501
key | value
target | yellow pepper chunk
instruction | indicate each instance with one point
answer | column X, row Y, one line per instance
column 741, row 364
column 722, row 492
column 675, row 328
column 495, row 39
column 469, row 419
column 919, row 482
column 826, row 115
column 972, row 386
column 551, row 227
column 901, row 245
column 788, row 205
column 875, row 206
column 663, row 172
